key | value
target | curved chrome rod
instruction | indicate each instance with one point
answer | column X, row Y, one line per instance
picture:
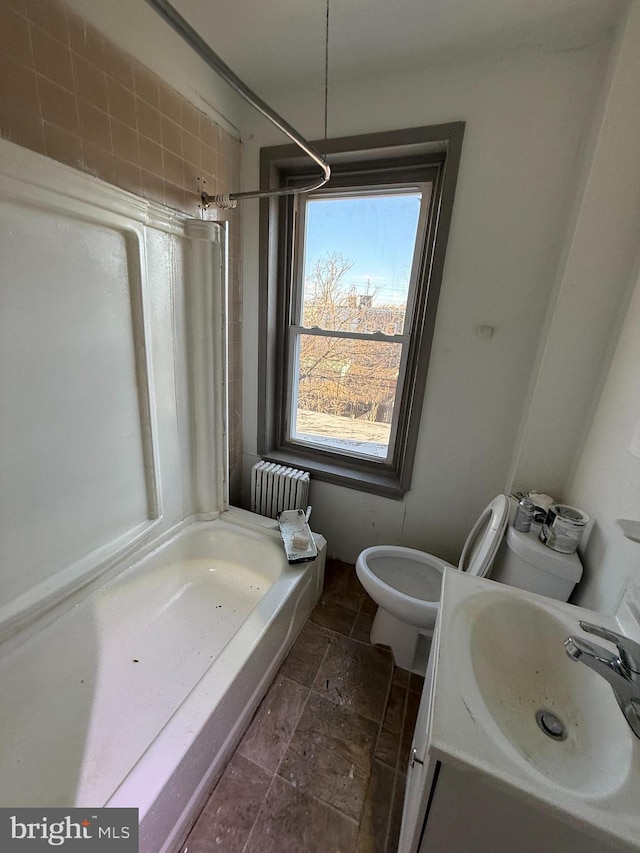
column 175, row 20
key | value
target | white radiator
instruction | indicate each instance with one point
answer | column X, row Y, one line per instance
column 275, row 488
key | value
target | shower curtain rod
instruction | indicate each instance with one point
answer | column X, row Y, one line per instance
column 175, row 20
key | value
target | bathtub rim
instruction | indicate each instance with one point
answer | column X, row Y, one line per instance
column 18, row 624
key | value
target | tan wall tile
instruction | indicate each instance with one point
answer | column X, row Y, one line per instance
column 150, row 155
column 14, row 37
column 51, row 17
column 148, row 120
column 173, row 168
column 171, row 135
column 91, row 82
column 52, row 59
column 128, row 176
column 174, row 195
column 86, row 41
column 122, row 103
column 170, row 103
column 190, row 118
column 125, row 142
column 208, row 160
column 152, row 185
column 59, row 106
column 63, row 146
column 99, row 162
column 118, row 65
column 191, row 149
column 21, row 117
column 19, row 6
column 95, row 125
column 146, row 85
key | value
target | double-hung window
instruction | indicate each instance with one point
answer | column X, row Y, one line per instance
column 349, row 287
column 353, row 302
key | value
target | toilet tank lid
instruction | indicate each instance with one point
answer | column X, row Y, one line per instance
column 528, row 547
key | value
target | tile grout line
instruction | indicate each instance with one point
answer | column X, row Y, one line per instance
column 304, row 705
column 393, row 788
column 397, row 771
column 275, row 771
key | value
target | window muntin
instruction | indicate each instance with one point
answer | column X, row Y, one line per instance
column 358, row 259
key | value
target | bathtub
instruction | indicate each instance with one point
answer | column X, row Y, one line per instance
column 137, row 694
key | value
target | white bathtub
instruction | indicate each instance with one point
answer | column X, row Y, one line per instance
column 137, row 695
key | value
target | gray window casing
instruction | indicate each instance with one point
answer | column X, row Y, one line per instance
column 411, row 154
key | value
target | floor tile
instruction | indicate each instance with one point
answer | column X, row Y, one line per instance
column 388, row 747
column 372, row 835
column 336, row 617
column 395, row 822
column 362, row 627
column 394, row 711
column 368, row 605
column 416, row 682
column 409, row 724
column 401, row 676
column 291, row 821
column 330, row 755
column 356, row 675
column 341, row 585
column 268, row 736
column 307, row 654
column 226, row 820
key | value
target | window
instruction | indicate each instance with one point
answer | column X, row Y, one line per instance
column 350, row 278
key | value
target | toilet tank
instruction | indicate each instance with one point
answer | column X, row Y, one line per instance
column 524, row 562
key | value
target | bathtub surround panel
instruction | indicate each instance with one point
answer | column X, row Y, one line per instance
column 207, row 258
column 74, row 429
column 96, row 425
column 70, row 93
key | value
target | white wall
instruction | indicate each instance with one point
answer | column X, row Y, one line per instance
column 607, row 480
column 525, row 122
column 597, row 259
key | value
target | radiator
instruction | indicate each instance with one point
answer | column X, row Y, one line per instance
column 275, row 488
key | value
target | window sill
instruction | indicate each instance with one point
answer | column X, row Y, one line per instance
column 385, row 484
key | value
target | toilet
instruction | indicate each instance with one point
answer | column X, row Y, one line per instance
column 405, row 583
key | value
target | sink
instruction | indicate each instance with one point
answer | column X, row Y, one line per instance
column 519, row 668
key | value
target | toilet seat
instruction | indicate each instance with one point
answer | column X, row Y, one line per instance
column 485, row 538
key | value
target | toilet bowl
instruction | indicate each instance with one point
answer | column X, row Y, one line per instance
column 405, row 583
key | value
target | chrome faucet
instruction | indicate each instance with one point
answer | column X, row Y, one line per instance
column 621, row 670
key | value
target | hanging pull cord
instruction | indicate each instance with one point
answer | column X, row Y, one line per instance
column 196, row 43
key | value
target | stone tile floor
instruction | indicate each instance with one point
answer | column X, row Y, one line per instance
column 322, row 767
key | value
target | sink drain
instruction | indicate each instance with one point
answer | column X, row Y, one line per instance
column 551, row 725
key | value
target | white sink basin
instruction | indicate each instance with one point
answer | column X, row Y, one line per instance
column 498, row 659
column 519, row 666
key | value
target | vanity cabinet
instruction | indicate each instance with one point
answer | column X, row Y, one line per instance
column 468, row 814
column 448, row 809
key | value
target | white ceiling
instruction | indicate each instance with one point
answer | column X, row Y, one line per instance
column 281, row 42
